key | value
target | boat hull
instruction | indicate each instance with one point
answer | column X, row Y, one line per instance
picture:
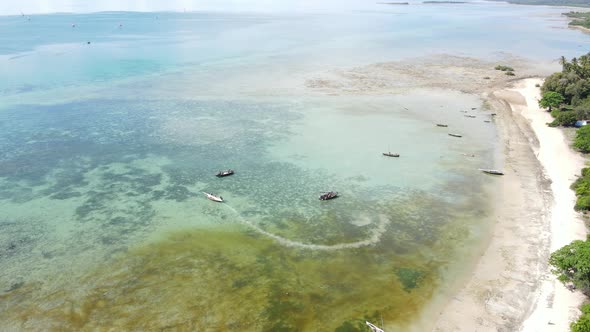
column 213, row 197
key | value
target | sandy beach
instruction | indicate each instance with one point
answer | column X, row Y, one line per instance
column 556, row 306
column 511, row 288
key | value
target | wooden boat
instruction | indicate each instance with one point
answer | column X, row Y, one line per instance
column 473, row 108
column 221, row 174
column 491, row 171
column 487, row 121
column 455, row 135
column 441, row 125
column 470, row 116
column 328, row 195
column 468, row 155
column 389, row 154
column 214, row 197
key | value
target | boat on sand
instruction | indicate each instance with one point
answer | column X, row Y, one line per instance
column 389, row 154
column 455, row 135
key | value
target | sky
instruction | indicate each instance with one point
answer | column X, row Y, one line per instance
column 15, row 7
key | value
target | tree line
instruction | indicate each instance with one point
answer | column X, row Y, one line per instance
column 566, row 95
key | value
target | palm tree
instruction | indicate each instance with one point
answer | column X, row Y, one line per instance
column 563, row 63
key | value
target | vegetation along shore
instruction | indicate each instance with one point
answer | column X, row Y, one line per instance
column 566, row 94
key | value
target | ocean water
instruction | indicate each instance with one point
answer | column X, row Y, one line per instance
column 105, row 148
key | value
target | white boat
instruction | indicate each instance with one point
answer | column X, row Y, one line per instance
column 373, row 327
column 213, row 197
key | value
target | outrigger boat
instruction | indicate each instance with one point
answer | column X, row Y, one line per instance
column 373, row 327
column 441, row 125
column 389, row 154
column 221, row 174
column 213, row 197
column 455, row 135
column 491, row 171
column 328, row 195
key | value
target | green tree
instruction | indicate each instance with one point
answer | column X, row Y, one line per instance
column 551, row 99
column 571, row 264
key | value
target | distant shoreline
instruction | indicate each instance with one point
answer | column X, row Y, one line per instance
column 544, row 3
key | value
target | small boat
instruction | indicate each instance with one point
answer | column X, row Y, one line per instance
column 221, row 174
column 441, row 125
column 468, row 155
column 455, row 135
column 389, row 154
column 470, row 116
column 491, row 171
column 487, row 121
column 473, row 108
column 328, row 195
column 463, row 111
column 213, row 197
column 373, row 327
column 493, row 114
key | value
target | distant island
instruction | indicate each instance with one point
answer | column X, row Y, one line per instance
column 579, row 19
column 453, row 2
column 573, row 3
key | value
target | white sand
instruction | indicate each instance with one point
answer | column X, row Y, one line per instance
column 556, row 306
column 511, row 283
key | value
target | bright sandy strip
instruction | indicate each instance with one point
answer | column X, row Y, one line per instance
column 511, row 282
column 556, row 304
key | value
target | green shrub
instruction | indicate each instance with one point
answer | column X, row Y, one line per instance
column 582, row 141
column 503, row 68
column 583, row 323
column 582, row 189
column 566, row 119
column 571, row 264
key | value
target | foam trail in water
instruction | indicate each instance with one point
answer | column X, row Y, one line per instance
column 374, row 238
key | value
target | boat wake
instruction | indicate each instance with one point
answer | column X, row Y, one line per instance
column 373, row 239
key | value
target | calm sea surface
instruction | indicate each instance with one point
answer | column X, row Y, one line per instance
column 112, row 128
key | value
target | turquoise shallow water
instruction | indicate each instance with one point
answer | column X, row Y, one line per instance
column 106, row 147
